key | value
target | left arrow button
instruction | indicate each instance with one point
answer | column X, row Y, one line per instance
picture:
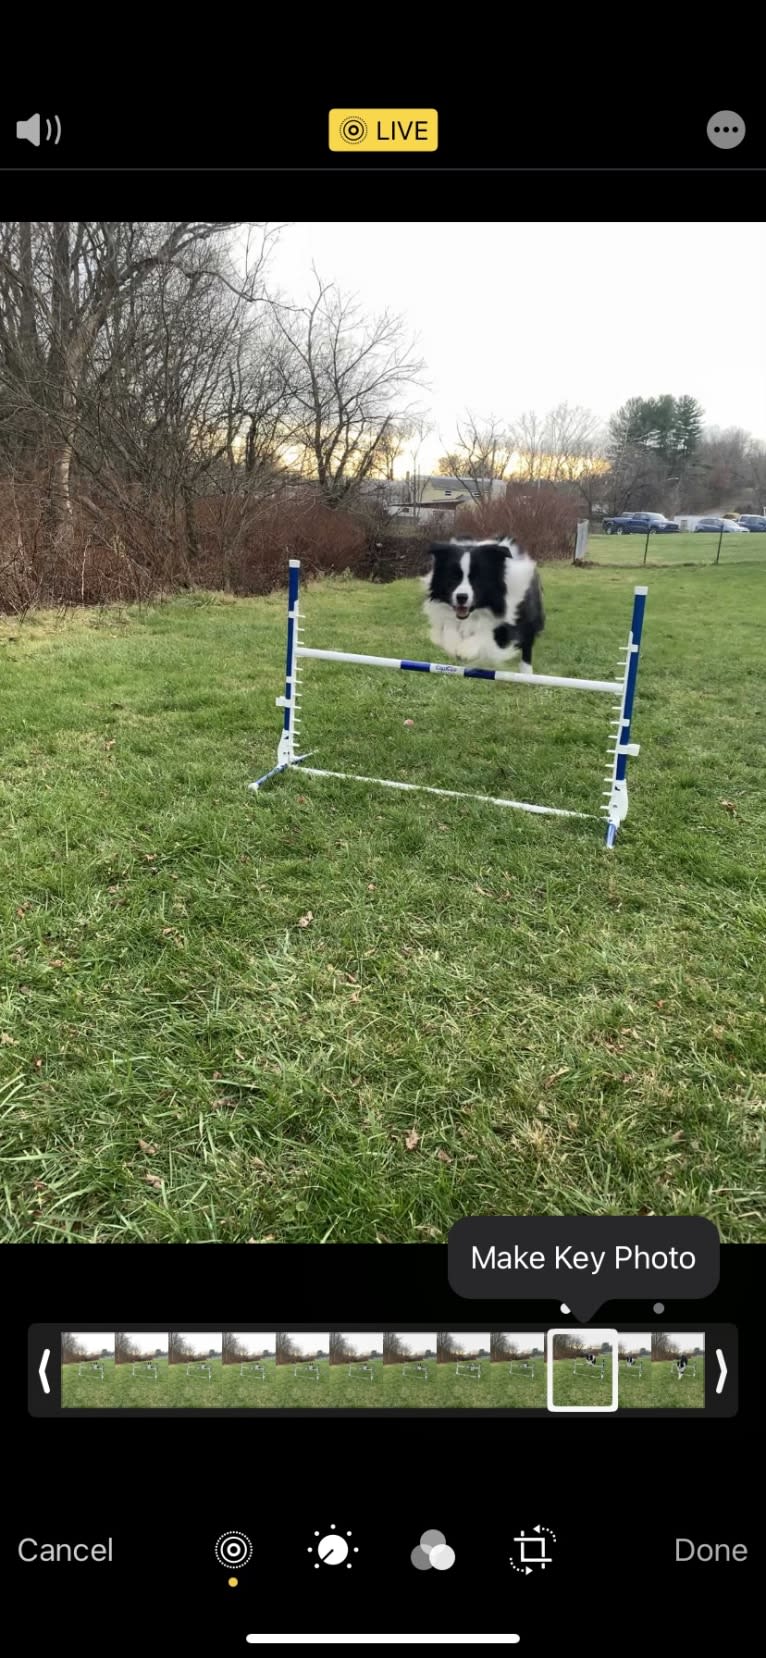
column 45, row 1384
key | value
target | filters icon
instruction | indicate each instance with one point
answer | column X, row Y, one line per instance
column 433, row 1553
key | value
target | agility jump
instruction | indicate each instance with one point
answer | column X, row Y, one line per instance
column 621, row 689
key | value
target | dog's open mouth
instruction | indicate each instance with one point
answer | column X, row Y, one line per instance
column 461, row 611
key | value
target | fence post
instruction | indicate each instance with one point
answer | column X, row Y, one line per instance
column 581, row 541
column 718, row 548
column 646, row 546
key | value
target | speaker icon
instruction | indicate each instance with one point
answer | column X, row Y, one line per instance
column 32, row 130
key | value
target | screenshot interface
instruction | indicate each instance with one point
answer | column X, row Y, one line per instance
column 382, row 1000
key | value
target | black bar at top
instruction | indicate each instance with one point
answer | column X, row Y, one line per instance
column 531, row 128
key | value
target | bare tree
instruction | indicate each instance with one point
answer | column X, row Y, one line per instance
column 72, row 1349
column 351, row 380
column 77, row 348
column 178, row 1348
column 481, row 458
column 233, row 1351
column 340, row 1349
column 557, row 447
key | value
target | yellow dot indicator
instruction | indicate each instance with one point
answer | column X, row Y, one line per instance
column 233, row 1581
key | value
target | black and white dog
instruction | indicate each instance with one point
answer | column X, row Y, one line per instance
column 485, row 601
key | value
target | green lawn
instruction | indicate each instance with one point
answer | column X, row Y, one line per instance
column 670, row 1393
column 303, row 1390
column 683, row 548
column 634, row 1391
column 583, row 1386
column 249, row 1391
column 356, row 1391
column 171, row 1389
column 331, row 1012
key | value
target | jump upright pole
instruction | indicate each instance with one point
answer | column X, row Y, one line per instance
column 621, row 748
column 622, row 689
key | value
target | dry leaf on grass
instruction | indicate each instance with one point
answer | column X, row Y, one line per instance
column 444, row 1157
column 412, row 1140
column 7, row 1041
column 728, row 805
column 152, row 1180
column 151, row 1151
column 409, row 722
column 306, row 920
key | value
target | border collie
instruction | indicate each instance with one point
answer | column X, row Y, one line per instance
column 485, row 601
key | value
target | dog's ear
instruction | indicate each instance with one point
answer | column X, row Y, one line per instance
column 437, row 549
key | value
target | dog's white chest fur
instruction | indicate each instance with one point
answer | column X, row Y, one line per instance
column 469, row 641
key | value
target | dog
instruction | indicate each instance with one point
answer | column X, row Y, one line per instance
column 484, row 601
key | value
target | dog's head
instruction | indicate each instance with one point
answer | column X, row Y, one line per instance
column 469, row 575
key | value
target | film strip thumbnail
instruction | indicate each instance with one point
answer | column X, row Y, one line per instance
column 383, row 1370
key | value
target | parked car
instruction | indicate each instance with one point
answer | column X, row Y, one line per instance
column 719, row 524
column 753, row 522
column 639, row 523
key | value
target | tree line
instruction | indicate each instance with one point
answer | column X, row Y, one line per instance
column 167, row 418
column 654, row 452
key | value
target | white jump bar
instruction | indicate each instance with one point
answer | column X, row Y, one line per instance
column 613, row 686
column 383, row 1640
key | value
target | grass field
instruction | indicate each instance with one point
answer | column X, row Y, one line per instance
column 248, row 1391
column 356, row 1391
column 582, row 1386
column 173, row 1389
column 302, row 1390
column 635, row 1391
column 332, row 1013
column 628, row 550
column 668, row 1393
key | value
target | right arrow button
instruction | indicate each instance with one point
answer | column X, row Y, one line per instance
column 723, row 1369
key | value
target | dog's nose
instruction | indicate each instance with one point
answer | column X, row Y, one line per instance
column 461, row 599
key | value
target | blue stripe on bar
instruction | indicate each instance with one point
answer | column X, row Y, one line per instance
column 448, row 668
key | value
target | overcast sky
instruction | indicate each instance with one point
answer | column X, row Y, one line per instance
column 513, row 317
column 417, row 1341
column 365, row 1343
column 93, row 1341
column 468, row 1342
column 147, row 1341
column 633, row 1343
column 307, row 1343
column 255, row 1344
